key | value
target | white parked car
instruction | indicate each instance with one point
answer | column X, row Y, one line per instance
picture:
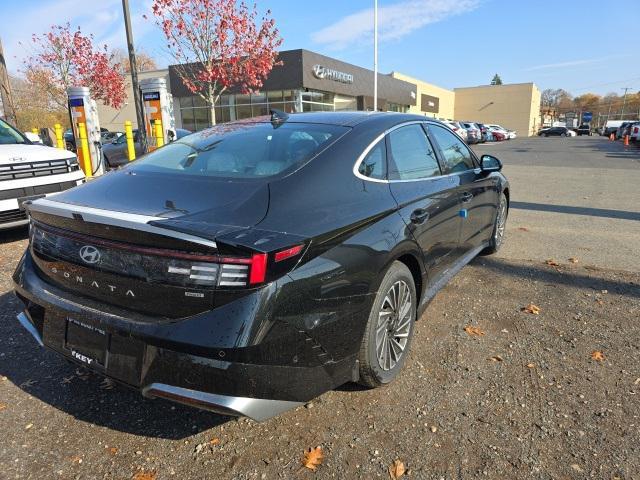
column 29, row 171
column 458, row 128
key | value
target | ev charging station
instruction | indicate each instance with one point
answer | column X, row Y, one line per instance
column 86, row 130
column 158, row 107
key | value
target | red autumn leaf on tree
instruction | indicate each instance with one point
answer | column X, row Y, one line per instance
column 218, row 44
column 66, row 58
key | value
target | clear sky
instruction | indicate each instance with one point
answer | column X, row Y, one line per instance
column 578, row 45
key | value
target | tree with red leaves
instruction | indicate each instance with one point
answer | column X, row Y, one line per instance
column 218, row 44
column 69, row 59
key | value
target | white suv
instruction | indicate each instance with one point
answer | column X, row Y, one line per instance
column 30, row 171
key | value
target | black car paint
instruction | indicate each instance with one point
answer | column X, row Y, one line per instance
column 298, row 335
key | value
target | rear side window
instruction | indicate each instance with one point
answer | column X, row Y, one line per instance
column 412, row 155
column 242, row 150
column 374, row 165
column 457, row 157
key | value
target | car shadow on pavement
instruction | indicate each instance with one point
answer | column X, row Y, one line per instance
column 86, row 396
column 560, row 275
column 592, row 212
column 14, row 234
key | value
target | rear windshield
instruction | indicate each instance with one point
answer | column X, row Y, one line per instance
column 9, row 135
column 242, row 150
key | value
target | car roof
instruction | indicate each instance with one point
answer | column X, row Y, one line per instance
column 344, row 118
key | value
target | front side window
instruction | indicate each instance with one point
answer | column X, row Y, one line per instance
column 374, row 165
column 9, row 135
column 457, row 157
column 242, row 150
column 412, row 155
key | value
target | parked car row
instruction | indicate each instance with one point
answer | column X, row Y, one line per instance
column 621, row 128
column 474, row 132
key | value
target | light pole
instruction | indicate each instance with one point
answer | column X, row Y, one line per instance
column 142, row 131
column 624, row 102
column 375, row 55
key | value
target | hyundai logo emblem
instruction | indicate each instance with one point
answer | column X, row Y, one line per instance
column 90, row 254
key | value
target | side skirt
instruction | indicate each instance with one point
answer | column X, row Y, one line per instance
column 447, row 276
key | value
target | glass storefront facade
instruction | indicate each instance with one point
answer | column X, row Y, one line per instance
column 195, row 114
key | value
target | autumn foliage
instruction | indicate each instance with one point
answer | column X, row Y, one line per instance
column 221, row 42
column 64, row 58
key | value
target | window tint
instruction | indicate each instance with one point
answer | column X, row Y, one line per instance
column 374, row 165
column 8, row 135
column 241, row 150
column 457, row 156
column 412, row 154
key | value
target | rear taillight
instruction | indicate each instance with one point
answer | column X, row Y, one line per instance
column 258, row 268
column 288, row 253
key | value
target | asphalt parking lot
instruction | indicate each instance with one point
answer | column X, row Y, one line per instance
column 542, row 396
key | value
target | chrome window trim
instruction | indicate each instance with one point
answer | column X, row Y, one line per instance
column 369, row 147
column 115, row 218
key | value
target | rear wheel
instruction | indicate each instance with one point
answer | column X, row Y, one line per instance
column 544, row 134
column 499, row 227
column 563, row 134
column 387, row 338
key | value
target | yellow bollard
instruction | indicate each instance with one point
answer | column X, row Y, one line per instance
column 59, row 138
column 159, row 134
column 84, row 147
column 128, row 132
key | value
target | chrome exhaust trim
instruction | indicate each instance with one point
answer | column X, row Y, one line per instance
column 28, row 326
column 258, row 409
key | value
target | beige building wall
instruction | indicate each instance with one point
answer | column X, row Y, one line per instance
column 514, row 106
column 113, row 119
column 446, row 97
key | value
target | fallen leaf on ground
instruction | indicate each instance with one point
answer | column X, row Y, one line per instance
column 113, row 450
column 637, row 382
column 473, row 330
column 3, row 406
column 28, row 426
column 496, row 358
column 573, row 260
column 531, row 308
column 599, row 302
column 396, row 470
column 214, row 441
column 312, row 458
column 552, row 262
column 523, row 229
column 76, row 459
column 597, row 355
column 142, row 475
column 531, row 365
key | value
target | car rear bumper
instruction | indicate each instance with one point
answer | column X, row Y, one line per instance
column 251, row 375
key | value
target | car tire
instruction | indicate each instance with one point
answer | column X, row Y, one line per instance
column 544, row 135
column 563, row 134
column 499, row 226
column 387, row 337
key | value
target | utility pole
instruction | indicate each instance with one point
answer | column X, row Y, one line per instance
column 624, row 101
column 375, row 55
column 142, row 131
column 8, row 107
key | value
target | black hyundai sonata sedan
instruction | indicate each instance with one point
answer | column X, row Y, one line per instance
column 250, row 267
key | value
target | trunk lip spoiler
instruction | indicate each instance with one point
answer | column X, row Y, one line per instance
column 115, row 218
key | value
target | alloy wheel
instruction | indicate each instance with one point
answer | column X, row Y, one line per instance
column 394, row 325
column 501, row 221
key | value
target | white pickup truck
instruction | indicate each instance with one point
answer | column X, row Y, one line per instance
column 30, row 171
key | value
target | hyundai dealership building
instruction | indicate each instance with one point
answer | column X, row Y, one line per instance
column 306, row 81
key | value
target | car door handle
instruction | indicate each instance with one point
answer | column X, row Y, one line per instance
column 467, row 197
column 420, row 215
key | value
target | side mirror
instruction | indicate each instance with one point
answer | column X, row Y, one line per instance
column 489, row 163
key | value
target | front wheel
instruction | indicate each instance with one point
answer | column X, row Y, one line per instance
column 499, row 227
column 387, row 338
column 563, row 134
